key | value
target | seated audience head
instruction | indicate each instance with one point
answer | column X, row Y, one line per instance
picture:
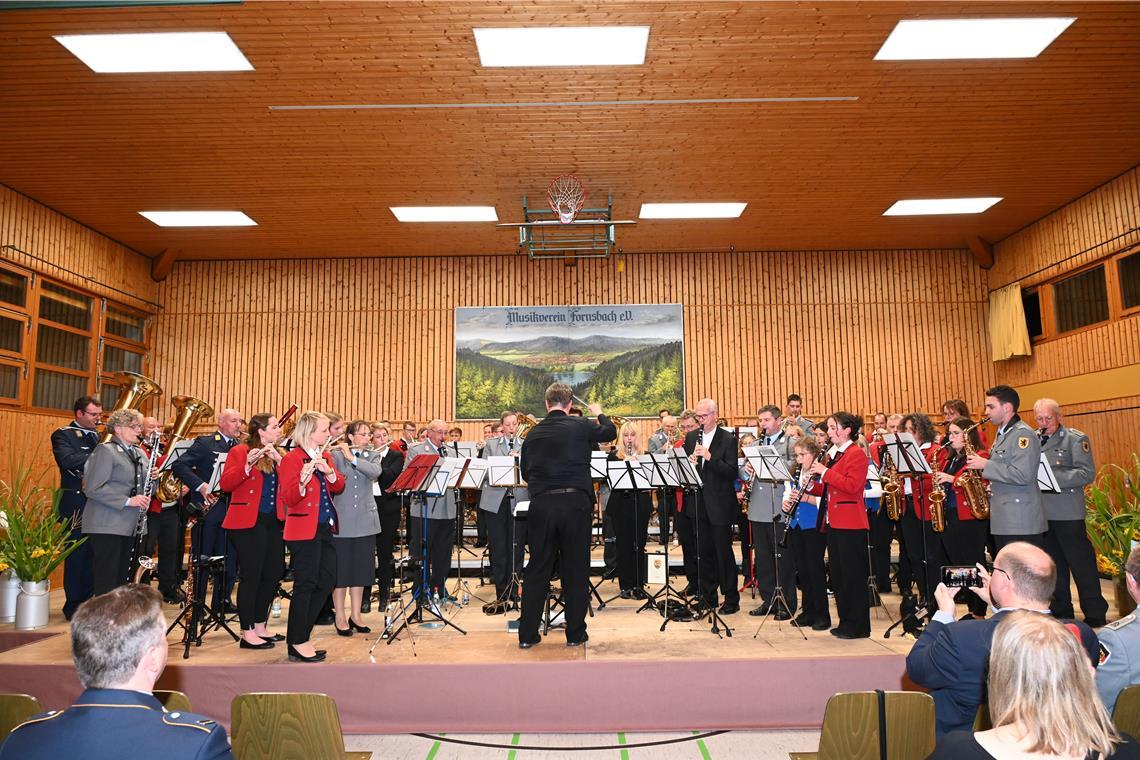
column 118, row 639
column 1041, row 687
column 1024, row 576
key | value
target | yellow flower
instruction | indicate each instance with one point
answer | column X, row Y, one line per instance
column 38, row 552
column 3, row 567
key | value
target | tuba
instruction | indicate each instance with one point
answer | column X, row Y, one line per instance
column 134, row 389
column 526, row 424
column 190, row 410
column 618, row 422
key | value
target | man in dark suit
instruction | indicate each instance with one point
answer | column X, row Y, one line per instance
column 71, row 445
column 951, row 657
column 194, row 469
column 714, row 507
column 117, row 716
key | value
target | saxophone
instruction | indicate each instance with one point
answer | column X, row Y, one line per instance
column 892, row 487
column 974, row 487
column 937, row 498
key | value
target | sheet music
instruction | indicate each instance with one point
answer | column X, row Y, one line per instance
column 437, row 486
column 598, row 465
column 456, row 470
column 177, row 450
column 908, row 458
column 501, row 472
column 467, row 449
column 660, row 471
column 618, row 475
column 1046, row 480
column 767, row 463
column 475, row 475
column 216, row 475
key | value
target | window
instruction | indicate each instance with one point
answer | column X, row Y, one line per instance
column 1031, row 302
column 1129, row 273
column 1080, row 300
column 58, row 343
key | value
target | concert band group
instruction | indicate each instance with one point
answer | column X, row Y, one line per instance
column 326, row 498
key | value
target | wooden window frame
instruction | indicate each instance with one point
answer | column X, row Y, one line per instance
column 1113, row 290
column 1117, row 259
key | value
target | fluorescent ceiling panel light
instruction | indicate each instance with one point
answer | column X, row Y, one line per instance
column 155, row 52
column 927, row 206
column 691, row 210
column 563, row 46
column 948, row 39
column 445, row 213
column 199, row 218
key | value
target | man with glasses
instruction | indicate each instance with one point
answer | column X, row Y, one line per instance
column 951, row 657
column 71, row 445
column 436, row 538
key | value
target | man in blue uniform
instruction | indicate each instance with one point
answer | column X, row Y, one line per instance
column 71, row 445
column 118, row 642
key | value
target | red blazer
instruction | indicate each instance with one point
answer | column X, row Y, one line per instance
column 244, row 490
column 923, row 485
column 960, row 495
column 843, row 484
column 300, row 512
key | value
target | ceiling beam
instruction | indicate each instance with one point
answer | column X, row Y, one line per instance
column 161, row 264
column 983, row 252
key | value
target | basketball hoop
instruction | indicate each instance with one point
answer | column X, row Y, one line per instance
column 566, row 196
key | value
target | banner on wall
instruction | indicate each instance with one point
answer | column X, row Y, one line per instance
column 628, row 358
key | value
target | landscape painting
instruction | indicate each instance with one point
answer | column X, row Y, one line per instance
column 630, row 359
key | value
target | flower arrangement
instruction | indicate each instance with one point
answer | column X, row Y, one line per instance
column 35, row 541
column 1113, row 520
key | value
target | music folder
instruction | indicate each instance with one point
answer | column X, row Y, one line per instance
column 624, row 475
column 1046, row 480
column 503, row 472
column 906, row 454
column 598, row 461
column 767, row 463
column 413, row 476
column 216, row 475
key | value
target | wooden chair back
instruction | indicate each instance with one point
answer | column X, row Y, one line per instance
column 287, row 726
column 850, row 728
column 14, row 710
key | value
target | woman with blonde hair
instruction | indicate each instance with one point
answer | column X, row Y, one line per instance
column 1042, row 698
column 629, row 510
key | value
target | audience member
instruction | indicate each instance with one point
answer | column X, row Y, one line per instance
column 1120, row 644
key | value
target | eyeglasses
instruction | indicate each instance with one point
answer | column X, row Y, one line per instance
column 1003, row 572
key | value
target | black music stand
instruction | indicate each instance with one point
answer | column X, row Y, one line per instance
column 692, row 484
column 664, row 478
column 503, row 472
column 623, row 475
column 869, row 492
column 418, row 480
column 598, row 462
column 907, row 456
column 469, row 473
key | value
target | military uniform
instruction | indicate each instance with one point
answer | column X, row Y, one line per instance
column 1119, row 659
column 765, row 513
column 440, row 523
column 111, row 724
column 1016, row 511
column 71, row 445
column 506, row 534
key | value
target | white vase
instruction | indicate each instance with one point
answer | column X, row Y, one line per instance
column 9, row 590
column 32, row 606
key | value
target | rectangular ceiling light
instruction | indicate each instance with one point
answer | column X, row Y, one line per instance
column 199, row 218
column 156, row 52
column 563, row 46
column 691, row 210
column 949, row 39
column 445, row 213
column 927, row 206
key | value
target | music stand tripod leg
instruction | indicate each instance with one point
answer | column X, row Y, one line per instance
column 779, row 599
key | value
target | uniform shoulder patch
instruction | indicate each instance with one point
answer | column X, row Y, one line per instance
column 189, row 720
column 1023, row 442
column 1103, row 654
column 217, row 437
column 1117, row 625
column 78, row 433
column 1076, row 432
column 1085, row 446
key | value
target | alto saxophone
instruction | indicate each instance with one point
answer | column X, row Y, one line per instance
column 937, row 498
column 892, row 487
column 974, row 487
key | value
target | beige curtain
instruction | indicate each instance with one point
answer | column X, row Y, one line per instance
column 1009, row 336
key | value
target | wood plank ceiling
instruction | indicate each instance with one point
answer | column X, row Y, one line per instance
column 101, row 147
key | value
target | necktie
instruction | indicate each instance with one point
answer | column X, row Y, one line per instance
column 767, row 440
column 1044, row 438
column 510, row 445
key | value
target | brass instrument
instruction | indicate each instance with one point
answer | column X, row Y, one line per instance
column 893, row 496
column 618, row 423
column 526, row 424
column 937, row 498
column 971, row 483
column 189, row 411
column 134, row 389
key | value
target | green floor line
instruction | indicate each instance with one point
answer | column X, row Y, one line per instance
column 701, row 746
column 514, row 740
column 624, row 752
column 431, row 752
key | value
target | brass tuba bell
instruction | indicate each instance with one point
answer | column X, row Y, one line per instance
column 189, row 411
column 526, row 424
column 134, row 389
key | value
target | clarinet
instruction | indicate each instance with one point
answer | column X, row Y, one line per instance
column 803, row 491
column 148, row 488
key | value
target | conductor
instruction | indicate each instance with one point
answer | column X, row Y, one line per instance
column 555, row 463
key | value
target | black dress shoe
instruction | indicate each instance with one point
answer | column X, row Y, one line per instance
column 689, row 590
column 781, row 615
column 821, row 625
column 760, row 611
column 803, row 620
column 273, row 637
column 729, row 609
column 640, row 593
column 578, row 642
column 529, row 642
column 850, row 635
column 243, row 644
column 343, row 631
column 326, row 620
column 226, row 607
column 366, row 606
column 627, row 593
column 295, row 656
column 358, row 628
column 321, row 652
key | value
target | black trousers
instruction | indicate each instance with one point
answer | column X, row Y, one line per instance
column 480, row 526
column 1068, row 544
column 666, row 508
column 847, row 559
column 389, row 510
column 214, row 543
column 169, row 533
column 807, row 547
column 687, row 535
column 905, row 576
column 1037, row 539
column 964, row 543
column 882, row 533
column 506, row 539
column 630, row 515
column 110, row 560
column 559, row 532
column 773, row 561
column 261, row 564
column 924, row 547
column 717, row 560
column 314, row 576
column 744, row 530
column 440, row 542
column 78, row 579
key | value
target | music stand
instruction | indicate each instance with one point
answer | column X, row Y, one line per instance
column 873, row 489
column 213, row 483
column 599, row 461
column 909, row 460
column 623, row 475
column 470, row 474
column 663, row 477
column 692, row 484
column 503, row 472
column 418, row 480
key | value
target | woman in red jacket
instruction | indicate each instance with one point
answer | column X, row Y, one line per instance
column 304, row 501
column 843, row 514
column 964, row 541
column 250, row 477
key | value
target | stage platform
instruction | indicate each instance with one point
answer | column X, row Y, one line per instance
column 629, row 677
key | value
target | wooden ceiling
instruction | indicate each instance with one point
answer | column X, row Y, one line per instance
column 100, row 148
